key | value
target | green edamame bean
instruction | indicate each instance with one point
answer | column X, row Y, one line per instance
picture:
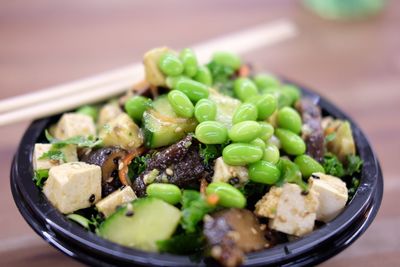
column 266, row 105
column 205, row 110
column 264, row 172
column 136, row 106
column 267, row 130
column 189, row 61
column 203, row 76
column 171, row 81
column 245, row 112
column 292, row 91
column 194, row 90
column 288, row 118
column 264, row 81
column 170, row 64
column 181, row 104
column 91, row 111
column 228, row 195
column 241, row 154
column 244, row 88
column 211, row 132
column 290, row 142
column 283, row 98
column 291, row 173
column 227, row 59
column 244, row 131
column 170, row 193
column 271, row 153
column 308, row 165
column 258, row 142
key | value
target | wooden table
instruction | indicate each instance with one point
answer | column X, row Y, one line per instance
column 355, row 64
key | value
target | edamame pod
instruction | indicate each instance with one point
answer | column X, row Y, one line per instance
column 288, row 118
column 205, row 110
column 266, row 105
column 203, row 76
column 181, row 104
column 227, row 59
column 245, row 112
column 170, row 193
column 264, row 81
column 241, row 154
column 258, row 142
column 170, row 64
column 308, row 165
column 267, row 130
column 194, row 90
column 244, row 88
column 271, row 153
column 264, row 172
column 244, row 131
column 292, row 91
column 136, row 106
column 291, row 143
column 189, row 61
column 228, row 195
column 211, row 132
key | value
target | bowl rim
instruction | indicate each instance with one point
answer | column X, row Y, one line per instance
column 47, row 215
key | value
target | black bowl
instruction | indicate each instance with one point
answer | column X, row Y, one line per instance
column 73, row 240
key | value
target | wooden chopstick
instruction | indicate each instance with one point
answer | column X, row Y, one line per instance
column 100, row 87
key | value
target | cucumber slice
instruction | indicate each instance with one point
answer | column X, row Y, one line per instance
column 141, row 223
column 161, row 130
column 161, row 105
column 226, row 107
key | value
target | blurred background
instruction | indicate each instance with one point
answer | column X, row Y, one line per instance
column 348, row 51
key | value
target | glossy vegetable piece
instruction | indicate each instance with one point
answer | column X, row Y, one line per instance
column 292, row 91
column 266, row 105
column 181, row 104
column 228, row 195
column 291, row 143
column 244, row 88
column 288, row 118
column 245, row 112
column 258, row 142
column 267, row 130
column 291, row 173
column 189, row 61
column 211, row 132
column 308, row 165
column 193, row 89
column 170, row 64
column 89, row 110
column 241, row 154
column 264, row 172
column 227, row 59
column 136, row 106
column 205, row 110
column 264, row 81
column 245, row 131
column 203, row 76
column 170, row 193
column 141, row 224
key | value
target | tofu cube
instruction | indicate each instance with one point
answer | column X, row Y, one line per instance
column 122, row 131
column 73, row 186
column 107, row 113
column 224, row 172
column 150, row 61
column 289, row 211
column 332, row 195
column 74, row 124
column 39, row 164
column 109, row 204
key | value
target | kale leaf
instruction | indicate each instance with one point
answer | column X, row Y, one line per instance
column 354, row 165
column 222, row 77
column 40, row 176
column 333, row 166
column 209, row 152
column 183, row 243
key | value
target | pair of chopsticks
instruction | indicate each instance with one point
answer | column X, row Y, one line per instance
column 100, row 87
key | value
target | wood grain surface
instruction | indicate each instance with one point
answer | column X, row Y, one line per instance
column 355, row 64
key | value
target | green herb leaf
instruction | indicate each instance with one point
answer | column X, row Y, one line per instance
column 209, row 152
column 194, row 207
column 40, row 176
column 182, row 244
column 222, row 77
column 138, row 165
column 354, row 165
column 80, row 141
column 56, row 155
column 333, row 166
column 330, row 137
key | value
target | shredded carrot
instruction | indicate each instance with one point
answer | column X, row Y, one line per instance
column 212, row 199
column 329, row 130
column 123, row 171
column 244, row 71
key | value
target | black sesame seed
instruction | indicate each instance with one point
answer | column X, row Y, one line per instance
column 108, row 152
column 115, row 160
column 92, row 198
column 129, row 213
column 234, row 181
column 314, row 176
column 305, row 193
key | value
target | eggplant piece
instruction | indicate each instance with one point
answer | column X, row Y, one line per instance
column 312, row 132
column 231, row 233
column 179, row 164
column 108, row 159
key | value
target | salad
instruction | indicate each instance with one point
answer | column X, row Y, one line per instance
column 213, row 160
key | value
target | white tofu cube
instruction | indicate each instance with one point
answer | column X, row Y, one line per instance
column 39, row 164
column 73, row 186
column 109, row 204
column 332, row 195
column 150, row 61
column 122, row 131
column 107, row 113
column 224, row 172
column 74, row 124
column 289, row 211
